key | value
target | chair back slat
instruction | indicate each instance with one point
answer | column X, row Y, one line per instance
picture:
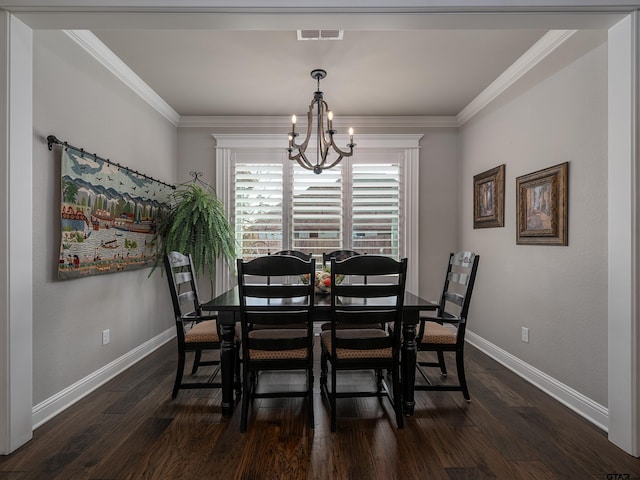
column 177, row 259
column 365, row 290
column 265, row 266
column 275, row 291
column 186, row 297
column 363, row 265
column 463, row 259
column 182, row 277
column 453, row 297
column 460, row 278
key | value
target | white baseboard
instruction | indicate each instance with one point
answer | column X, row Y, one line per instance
column 583, row 406
column 52, row 406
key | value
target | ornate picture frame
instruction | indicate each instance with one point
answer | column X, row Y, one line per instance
column 488, row 198
column 542, row 208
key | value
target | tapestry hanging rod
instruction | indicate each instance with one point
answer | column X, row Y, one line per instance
column 51, row 139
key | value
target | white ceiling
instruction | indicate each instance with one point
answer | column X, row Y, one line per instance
column 414, row 58
column 417, row 72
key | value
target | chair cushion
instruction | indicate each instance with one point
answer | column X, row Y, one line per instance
column 347, row 353
column 436, row 333
column 266, row 333
column 206, row 331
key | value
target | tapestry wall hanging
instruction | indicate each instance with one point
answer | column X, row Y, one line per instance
column 108, row 216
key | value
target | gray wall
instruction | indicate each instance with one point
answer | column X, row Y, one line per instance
column 556, row 113
column 80, row 102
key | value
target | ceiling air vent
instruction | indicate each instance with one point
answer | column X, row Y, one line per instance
column 320, row 34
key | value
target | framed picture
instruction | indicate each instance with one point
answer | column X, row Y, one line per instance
column 542, row 207
column 488, row 198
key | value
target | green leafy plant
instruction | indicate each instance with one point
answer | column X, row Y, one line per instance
column 197, row 224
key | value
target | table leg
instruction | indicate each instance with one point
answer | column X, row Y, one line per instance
column 408, row 368
column 227, row 360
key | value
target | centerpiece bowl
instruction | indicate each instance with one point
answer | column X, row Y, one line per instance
column 322, row 281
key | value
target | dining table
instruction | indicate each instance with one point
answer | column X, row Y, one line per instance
column 227, row 306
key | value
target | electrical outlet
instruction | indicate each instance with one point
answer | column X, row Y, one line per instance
column 525, row 334
column 106, row 336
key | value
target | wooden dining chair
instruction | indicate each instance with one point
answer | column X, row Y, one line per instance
column 445, row 331
column 360, row 347
column 195, row 332
column 338, row 255
column 295, row 253
column 277, row 325
column 341, row 255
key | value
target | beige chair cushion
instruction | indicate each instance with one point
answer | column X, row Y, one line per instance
column 436, row 333
column 206, row 331
column 346, row 353
column 298, row 353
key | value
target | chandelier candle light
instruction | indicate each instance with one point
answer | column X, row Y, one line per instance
column 323, row 128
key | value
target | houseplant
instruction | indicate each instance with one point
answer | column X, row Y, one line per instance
column 196, row 224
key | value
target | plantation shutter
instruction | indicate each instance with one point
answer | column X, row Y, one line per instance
column 258, row 208
column 317, row 210
column 376, row 208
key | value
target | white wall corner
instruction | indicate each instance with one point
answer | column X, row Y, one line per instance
column 4, row 249
column 623, row 240
column 16, row 243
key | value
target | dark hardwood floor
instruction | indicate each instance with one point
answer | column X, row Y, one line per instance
column 131, row 429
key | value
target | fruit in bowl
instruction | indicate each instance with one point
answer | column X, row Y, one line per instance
column 322, row 281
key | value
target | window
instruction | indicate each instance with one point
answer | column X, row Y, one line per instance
column 366, row 203
column 258, row 211
column 355, row 205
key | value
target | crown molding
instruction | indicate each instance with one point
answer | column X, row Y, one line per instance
column 278, row 141
column 98, row 50
column 540, row 50
column 251, row 122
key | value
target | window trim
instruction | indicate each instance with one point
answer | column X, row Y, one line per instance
column 406, row 145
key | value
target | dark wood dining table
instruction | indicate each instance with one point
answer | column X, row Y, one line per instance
column 227, row 306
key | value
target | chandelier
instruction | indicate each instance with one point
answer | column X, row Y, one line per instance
column 324, row 134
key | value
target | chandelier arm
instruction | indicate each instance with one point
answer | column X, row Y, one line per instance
column 335, row 162
column 305, row 166
column 323, row 128
column 324, row 154
column 301, row 158
column 340, row 151
column 304, row 144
